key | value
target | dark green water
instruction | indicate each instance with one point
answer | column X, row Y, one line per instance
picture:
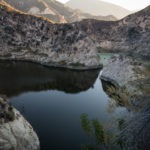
column 54, row 101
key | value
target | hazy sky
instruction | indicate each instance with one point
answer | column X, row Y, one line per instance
column 129, row 4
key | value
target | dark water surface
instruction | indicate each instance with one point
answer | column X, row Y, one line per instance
column 53, row 101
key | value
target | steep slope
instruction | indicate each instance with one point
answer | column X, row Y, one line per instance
column 97, row 7
column 53, row 10
column 26, row 37
column 130, row 34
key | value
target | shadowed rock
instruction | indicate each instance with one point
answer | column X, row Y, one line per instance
column 137, row 131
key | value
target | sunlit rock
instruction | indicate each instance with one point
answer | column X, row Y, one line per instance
column 15, row 132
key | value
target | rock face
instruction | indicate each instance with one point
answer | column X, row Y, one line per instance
column 75, row 45
column 129, row 34
column 125, row 73
column 121, row 69
column 27, row 37
column 130, row 88
column 15, row 132
column 54, row 10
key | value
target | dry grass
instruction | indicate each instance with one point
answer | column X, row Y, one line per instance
column 119, row 96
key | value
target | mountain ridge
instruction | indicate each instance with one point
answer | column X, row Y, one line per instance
column 98, row 7
column 53, row 10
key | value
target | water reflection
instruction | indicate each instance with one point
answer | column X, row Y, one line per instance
column 55, row 113
column 24, row 77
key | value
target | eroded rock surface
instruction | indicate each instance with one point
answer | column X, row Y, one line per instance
column 124, row 72
column 15, row 132
column 26, row 37
column 130, row 88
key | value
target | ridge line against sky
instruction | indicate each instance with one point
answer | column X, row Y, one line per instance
column 131, row 5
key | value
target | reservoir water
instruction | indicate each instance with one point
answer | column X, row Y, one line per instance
column 58, row 103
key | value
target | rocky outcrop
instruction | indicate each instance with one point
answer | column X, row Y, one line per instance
column 30, row 38
column 15, row 132
column 54, row 10
column 127, row 35
column 122, row 69
column 75, row 45
column 127, row 83
column 126, row 73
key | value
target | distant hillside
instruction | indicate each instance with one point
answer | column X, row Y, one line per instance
column 54, row 10
column 98, row 7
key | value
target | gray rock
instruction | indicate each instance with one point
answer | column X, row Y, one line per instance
column 30, row 38
column 125, row 72
column 120, row 69
column 16, row 133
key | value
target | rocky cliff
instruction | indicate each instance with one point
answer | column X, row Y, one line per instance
column 123, row 71
column 129, row 34
column 75, row 45
column 26, row 37
column 127, row 82
column 54, row 10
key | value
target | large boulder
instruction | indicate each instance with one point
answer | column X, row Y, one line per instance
column 123, row 71
column 15, row 132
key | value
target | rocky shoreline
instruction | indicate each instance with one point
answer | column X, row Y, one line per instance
column 74, row 46
column 123, row 71
column 130, row 87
